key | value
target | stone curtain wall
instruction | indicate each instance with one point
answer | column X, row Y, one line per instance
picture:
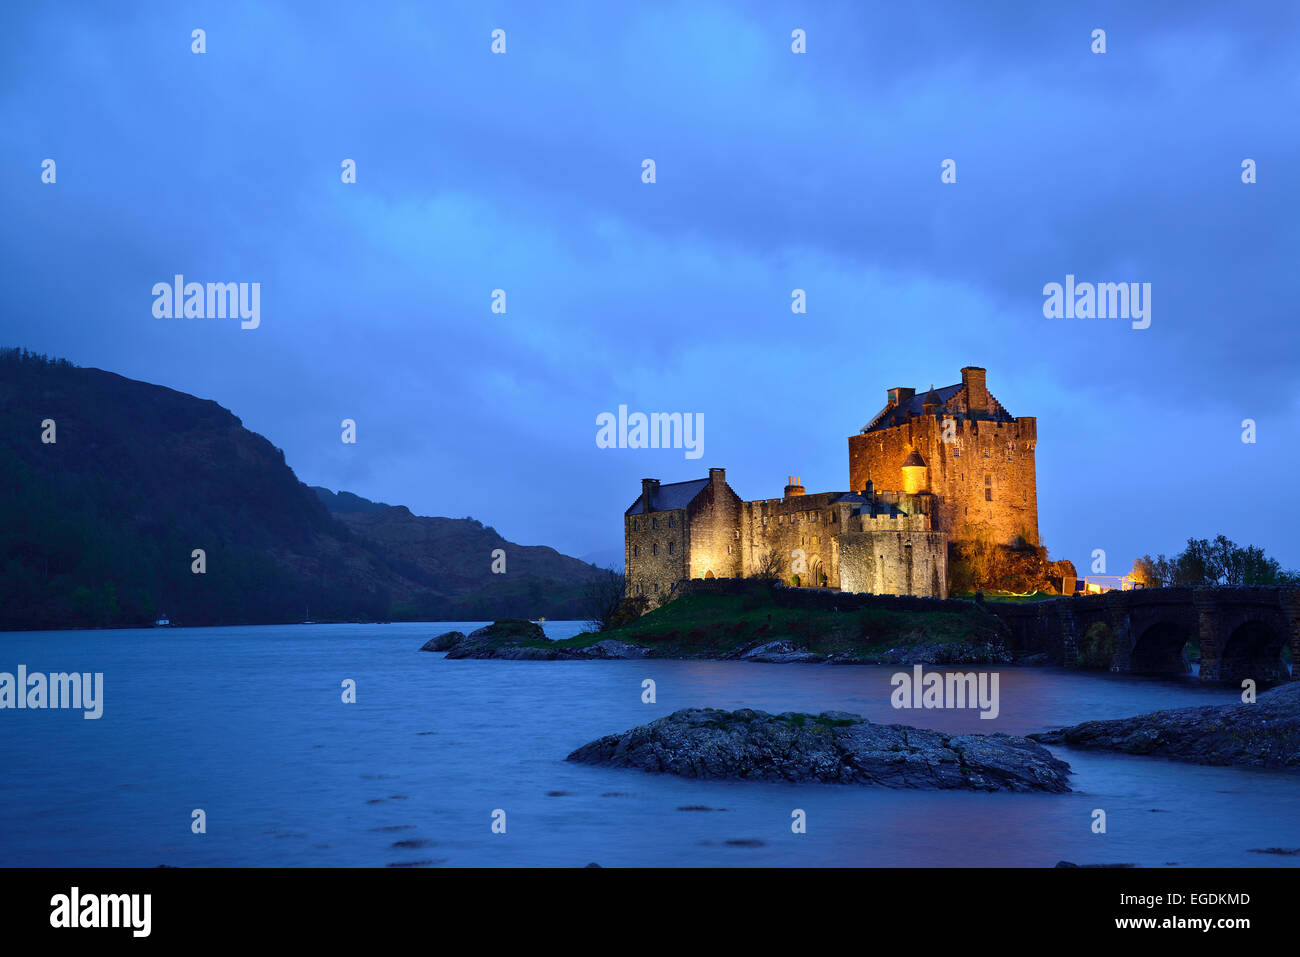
column 807, row 522
column 893, row 555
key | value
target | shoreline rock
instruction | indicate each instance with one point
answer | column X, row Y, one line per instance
column 520, row 640
column 443, row 642
column 516, row 639
column 833, row 747
column 1265, row 734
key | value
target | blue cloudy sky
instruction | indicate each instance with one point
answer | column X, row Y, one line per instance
column 775, row 171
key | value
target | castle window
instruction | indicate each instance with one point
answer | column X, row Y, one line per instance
column 988, row 495
column 636, row 551
column 986, row 453
column 654, row 549
column 736, row 534
column 670, row 548
column 671, row 520
column 636, row 525
column 728, row 549
column 654, row 523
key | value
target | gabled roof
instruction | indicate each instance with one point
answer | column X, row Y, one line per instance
column 674, row 495
column 892, row 415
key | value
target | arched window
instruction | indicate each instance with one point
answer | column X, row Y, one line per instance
column 654, row 549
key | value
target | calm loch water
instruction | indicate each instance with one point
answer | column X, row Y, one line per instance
column 248, row 725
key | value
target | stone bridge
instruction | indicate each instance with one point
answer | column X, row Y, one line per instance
column 1241, row 631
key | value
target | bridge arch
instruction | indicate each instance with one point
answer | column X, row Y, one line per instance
column 1158, row 649
column 1253, row 650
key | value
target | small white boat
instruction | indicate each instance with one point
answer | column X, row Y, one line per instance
column 163, row 622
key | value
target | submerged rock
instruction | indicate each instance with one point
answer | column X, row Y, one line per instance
column 833, row 747
column 1265, row 734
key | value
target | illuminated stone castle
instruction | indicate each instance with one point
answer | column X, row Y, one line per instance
column 949, row 464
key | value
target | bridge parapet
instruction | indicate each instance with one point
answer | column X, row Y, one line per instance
column 1240, row 631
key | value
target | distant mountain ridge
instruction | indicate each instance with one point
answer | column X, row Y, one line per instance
column 452, row 551
column 100, row 525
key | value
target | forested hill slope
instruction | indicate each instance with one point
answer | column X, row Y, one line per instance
column 98, row 527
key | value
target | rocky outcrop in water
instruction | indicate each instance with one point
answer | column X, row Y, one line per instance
column 444, row 642
column 1265, row 734
column 513, row 638
column 832, row 747
column 516, row 639
column 520, row 640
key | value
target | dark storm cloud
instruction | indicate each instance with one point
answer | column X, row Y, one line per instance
column 775, row 171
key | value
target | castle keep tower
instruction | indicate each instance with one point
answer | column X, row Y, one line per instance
column 959, row 444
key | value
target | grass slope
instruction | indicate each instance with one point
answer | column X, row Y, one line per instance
column 714, row 625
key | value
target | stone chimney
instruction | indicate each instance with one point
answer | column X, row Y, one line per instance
column 977, row 393
column 649, row 489
column 794, row 486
